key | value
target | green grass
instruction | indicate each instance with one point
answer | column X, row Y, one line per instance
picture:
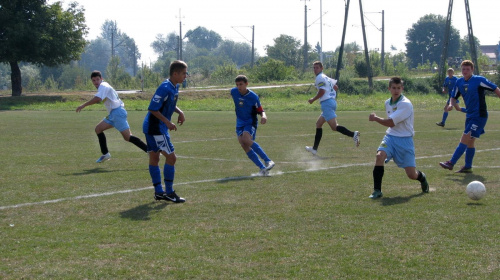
column 311, row 219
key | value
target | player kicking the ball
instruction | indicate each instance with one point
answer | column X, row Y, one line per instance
column 398, row 141
column 247, row 107
column 156, row 126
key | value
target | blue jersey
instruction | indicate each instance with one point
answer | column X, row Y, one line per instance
column 472, row 91
column 164, row 101
column 246, row 106
column 449, row 83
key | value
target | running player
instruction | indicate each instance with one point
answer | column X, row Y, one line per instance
column 472, row 89
column 156, row 126
column 247, row 107
column 398, row 141
column 117, row 115
column 448, row 86
column 327, row 95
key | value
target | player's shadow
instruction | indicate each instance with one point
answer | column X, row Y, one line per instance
column 142, row 212
column 96, row 170
column 466, row 179
column 239, row 178
column 389, row 201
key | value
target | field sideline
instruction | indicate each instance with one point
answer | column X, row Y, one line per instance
column 65, row 217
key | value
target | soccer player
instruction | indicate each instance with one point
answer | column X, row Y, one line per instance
column 247, row 107
column 327, row 95
column 117, row 115
column 156, row 126
column 398, row 141
column 472, row 89
column 448, row 86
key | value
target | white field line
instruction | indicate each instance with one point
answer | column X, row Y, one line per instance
column 210, row 181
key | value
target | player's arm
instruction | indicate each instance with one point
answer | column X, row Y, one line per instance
column 88, row 103
column 320, row 93
column 181, row 118
column 497, row 91
column 161, row 117
column 385, row 122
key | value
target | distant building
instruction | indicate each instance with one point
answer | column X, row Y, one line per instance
column 492, row 52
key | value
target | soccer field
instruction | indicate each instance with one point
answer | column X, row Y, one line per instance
column 63, row 216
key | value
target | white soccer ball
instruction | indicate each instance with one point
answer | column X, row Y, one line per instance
column 475, row 190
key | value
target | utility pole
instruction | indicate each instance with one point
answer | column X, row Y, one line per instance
column 367, row 57
column 341, row 50
column 113, row 30
column 321, row 30
column 383, row 52
column 180, row 35
column 253, row 46
column 305, row 38
column 472, row 42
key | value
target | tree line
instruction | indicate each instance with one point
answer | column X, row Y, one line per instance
column 40, row 54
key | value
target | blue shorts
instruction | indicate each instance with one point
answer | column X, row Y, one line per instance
column 158, row 143
column 399, row 149
column 118, row 119
column 252, row 130
column 475, row 126
column 328, row 108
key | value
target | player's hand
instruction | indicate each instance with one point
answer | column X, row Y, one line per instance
column 181, row 119
column 79, row 108
column 372, row 117
column 311, row 101
column 263, row 120
column 171, row 126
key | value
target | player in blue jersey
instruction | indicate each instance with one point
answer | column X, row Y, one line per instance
column 247, row 106
column 117, row 115
column 472, row 89
column 398, row 141
column 327, row 95
column 156, row 127
column 448, row 86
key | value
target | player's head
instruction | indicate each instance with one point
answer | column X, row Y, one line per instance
column 396, row 81
column 467, row 68
column 178, row 71
column 450, row 71
column 317, row 67
column 241, row 83
column 96, row 78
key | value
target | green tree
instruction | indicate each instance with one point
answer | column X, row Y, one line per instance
column 287, row 49
column 425, row 40
column 204, row 38
column 164, row 44
column 33, row 31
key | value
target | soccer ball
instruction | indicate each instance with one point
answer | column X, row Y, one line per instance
column 475, row 190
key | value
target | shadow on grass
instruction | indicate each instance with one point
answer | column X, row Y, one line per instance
column 467, row 178
column 142, row 212
column 389, row 201
column 96, row 170
column 239, row 178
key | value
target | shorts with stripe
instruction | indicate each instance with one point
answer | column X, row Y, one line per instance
column 399, row 149
column 158, row 143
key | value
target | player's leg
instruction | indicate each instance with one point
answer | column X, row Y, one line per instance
column 415, row 174
column 335, row 127
column 246, row 141
column 260, row 152
column 317, row 137
column 119, row 118
column 378, row 174
column 127, row 136
column 445, row 115
column 460, row 109
column 99, row 130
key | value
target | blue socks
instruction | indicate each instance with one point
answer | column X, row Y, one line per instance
column 252, row 155
column 469, row 156
column 445, row 116
column 463, row 110
column 168, row 173
column 459, row 151
column 155, row 173
column 256, row 147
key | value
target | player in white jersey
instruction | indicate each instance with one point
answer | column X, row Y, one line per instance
column 398, row 141
column 117, row 115
column 327, row 95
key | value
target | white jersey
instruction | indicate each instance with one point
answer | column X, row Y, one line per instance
column 401, row 113
column 326, row 83
column 109, row 97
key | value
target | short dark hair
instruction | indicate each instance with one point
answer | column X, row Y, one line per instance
column 176, row 66
column 396, row 80
column 317, row 62
column 241, row 78
column 96, row 73
column 467, row 63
